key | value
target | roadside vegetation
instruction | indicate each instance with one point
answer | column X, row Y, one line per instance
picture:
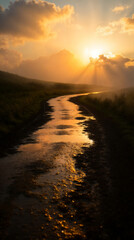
column 116, row 106
column 21, row 99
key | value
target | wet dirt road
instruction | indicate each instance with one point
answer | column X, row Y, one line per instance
column 42, row 190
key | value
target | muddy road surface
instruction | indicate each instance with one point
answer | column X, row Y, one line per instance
column 52, row 187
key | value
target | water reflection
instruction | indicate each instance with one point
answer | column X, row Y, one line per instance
column 67, row 117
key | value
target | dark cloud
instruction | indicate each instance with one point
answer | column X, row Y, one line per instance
column 30, row 19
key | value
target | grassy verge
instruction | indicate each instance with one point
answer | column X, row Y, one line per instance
column 117, row 107
column 114, row 113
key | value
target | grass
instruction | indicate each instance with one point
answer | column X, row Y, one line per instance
column 117, row 106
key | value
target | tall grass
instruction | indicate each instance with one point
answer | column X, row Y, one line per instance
column 117, row 106
column 17, row 104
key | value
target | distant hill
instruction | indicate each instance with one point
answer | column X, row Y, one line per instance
column 60, row 67
column 14, row 80
column 10, row 78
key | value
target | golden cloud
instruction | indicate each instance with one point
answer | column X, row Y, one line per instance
column 111, row 28
column 120, row 8
column 128, row 24
column 123, row 25
column 31, row 19
column 130, row 63
column 3, row 42
column 115, row 71
column 105, row 31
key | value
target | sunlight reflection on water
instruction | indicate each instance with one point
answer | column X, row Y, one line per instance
column 73, row 125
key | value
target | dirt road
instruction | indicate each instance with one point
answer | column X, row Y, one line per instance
column 57, row 185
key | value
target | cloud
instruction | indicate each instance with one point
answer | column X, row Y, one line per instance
column 3, row 42
column 117, row 60
column 105, row 31
column 9, row 59
column 110, row 29
column 123, row 25
column 117, row 71
column 120, row 8
column 130, row 63
column 128, row 24
column 31, row 19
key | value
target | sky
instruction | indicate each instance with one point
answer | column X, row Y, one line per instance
column 30, row 29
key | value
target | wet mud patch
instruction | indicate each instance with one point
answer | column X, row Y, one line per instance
column 63, row 132
column 64, row 126
column 80, row 118
column 116, row 178
column 92, row 198
column 65, row 110
column 26, row 180
column 23, row 193
column 66, row 118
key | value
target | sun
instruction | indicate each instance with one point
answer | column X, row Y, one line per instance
column 96, row 52
column 92, row 53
